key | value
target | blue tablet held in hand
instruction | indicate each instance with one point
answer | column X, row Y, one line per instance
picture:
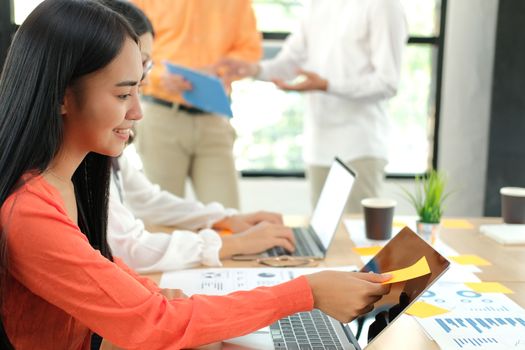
column 208, row 92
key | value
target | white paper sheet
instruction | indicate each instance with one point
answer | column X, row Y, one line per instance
column 458, row 297
column 474, row 330
column 505, row 233
column 356, row 231
column 475, row 321
column 460, row 273
column 220, row 281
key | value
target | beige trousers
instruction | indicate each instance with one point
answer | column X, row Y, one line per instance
column 369, row 181
column 175, row 145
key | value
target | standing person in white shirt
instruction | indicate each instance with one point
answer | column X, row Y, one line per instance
column 349, row 54
column 133, row 199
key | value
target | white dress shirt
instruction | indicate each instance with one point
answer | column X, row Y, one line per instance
column 357, row 46
column 134, row 199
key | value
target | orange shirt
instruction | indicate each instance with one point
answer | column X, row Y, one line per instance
column 60, row 290
column 197, row 33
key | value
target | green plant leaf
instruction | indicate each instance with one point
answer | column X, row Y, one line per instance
column 429, row 196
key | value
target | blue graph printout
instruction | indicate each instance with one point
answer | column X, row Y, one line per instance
column 475, row 321
column 457, row 297
column 461, row 330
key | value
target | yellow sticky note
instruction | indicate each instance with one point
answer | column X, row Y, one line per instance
column 420, row 268
column 457, row 223
column 366, row 251
column 469, row 260
column 422, row 310
column 488, row 287
column 399, row 223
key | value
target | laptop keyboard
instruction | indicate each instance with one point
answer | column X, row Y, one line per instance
column 302, row 245
column 277, row 251
column 305, row 330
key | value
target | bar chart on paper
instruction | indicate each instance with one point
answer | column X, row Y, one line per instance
column 503, row 330
column 220, row 281
column 481, row 325
column 479, row 342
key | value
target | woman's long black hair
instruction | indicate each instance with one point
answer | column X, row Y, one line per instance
column 59, row 42
column 135, row 17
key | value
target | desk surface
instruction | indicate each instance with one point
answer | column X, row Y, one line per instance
column 508, row 267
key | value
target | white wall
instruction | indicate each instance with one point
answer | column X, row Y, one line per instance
column 467, row 84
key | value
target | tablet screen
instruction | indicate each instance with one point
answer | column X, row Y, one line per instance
column 405, row 249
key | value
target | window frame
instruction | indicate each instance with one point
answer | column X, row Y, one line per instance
column 8, row 28
column 438, row 43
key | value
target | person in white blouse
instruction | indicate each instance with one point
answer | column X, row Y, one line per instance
column 348, row 54
column 133, row 200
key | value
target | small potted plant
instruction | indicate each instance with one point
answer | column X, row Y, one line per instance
column 428, row 202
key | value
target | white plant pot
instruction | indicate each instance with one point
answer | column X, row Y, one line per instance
column 428, row 231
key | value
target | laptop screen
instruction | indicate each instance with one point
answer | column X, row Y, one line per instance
column 332, row 201
column 405, row 249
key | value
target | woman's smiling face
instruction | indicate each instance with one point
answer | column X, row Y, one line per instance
column 100, row 108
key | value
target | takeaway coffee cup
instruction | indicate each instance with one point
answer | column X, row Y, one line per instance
column 513, row 205
column 379, row 213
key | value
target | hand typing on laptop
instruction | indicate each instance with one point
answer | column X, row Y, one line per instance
column 241, row 222
column 346, row 295
column 256, row 239
column 313, row 241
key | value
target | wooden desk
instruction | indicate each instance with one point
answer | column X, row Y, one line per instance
column 508, row 267
column 508, row 262
column 340, row 253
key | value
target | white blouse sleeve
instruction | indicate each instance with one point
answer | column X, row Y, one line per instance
column 155, row 206
column 157, row 251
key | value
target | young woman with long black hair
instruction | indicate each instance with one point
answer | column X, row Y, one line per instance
column 68, row 100
column 133, row 198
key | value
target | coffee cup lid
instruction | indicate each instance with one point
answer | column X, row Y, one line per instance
column 378, row 203
column 513, row 191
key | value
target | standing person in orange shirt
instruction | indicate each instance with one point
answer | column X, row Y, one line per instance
column 68, row 100
column 175, row 140
column 133, row 200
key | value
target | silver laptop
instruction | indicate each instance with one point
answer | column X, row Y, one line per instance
column 316, row 330
column 313, row 241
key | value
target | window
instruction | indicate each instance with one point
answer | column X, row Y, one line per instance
column 22, row 8
column 269, row 121
column 277, row 16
